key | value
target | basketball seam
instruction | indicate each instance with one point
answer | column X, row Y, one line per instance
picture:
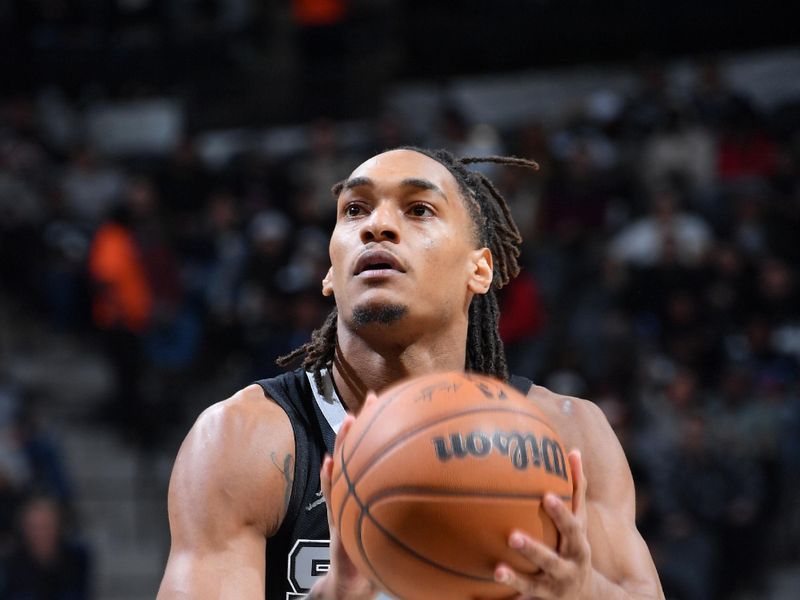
column 366, row 557
column 347, row 481
column 362, row 512
column 426, row 491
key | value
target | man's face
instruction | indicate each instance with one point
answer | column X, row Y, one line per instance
column 403, row 247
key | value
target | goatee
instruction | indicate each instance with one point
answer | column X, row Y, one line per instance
column 385, row 314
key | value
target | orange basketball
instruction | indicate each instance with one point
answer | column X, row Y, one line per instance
column 433, row 477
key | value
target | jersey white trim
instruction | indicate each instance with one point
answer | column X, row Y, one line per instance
column 329, row 403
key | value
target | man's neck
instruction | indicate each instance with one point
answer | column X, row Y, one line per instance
column 361, row 366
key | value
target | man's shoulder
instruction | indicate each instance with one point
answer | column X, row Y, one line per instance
column 582, row 425
column 576, row 408
column 234, row 436
column 579, row 422
column 234, row 457
column 248, row 411
column 297, row 377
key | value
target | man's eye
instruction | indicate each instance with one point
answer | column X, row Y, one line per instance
column 420, row 210
column 352, row 210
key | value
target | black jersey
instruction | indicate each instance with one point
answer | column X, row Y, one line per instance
column 298, row 554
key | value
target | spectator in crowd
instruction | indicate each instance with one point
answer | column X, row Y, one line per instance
column 11, row 476
column 90, row 188
column 183, row 182
column 29, row 460
column 313, row 172
column 664, row 231
column 23, row 207
column 522, row 319
column 222, row 272
column 575, row 200
column 122, row 305
column 679, row 149
column 709, row 502
column 649, row 108
column 713, row 101
column 45, row 563
column 42, row 456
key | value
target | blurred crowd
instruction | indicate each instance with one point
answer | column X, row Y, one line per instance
column 41, row 557
column 660, row 280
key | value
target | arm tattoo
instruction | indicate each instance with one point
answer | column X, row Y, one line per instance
column 288, row 475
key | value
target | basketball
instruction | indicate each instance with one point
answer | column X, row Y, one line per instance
column 434, row 476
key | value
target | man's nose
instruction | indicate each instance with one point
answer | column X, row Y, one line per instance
column 381, row 225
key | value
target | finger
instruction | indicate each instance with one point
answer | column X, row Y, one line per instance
column 527, row 585
column 347, row 423
column 344, row 428
column 325, row 477
column 568, row 525
column 578, row 484
column 538, row 555
column 326, row 474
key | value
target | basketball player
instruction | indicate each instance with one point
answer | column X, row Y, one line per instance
column 421, row 242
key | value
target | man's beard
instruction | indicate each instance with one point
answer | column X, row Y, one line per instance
column 385, row 314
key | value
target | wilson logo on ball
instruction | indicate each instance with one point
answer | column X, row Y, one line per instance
column 523, row 449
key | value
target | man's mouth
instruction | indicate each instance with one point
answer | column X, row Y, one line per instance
column 377, row 263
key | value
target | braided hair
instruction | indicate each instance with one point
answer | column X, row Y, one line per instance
column 495, row 229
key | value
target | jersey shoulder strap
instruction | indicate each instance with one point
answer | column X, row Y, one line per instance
column 291, row 392
column 521, row 384
column 301, row 541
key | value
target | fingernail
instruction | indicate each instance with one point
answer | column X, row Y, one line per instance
column 501, row 576
column 551, row 500
column 515, row 541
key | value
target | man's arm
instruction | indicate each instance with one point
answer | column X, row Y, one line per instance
column 601, row 553
column 619, row 553
column 228, row 492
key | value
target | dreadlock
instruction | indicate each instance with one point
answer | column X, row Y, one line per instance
column 495, row 229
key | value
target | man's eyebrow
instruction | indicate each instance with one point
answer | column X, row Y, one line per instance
column 423, row 184
column 349, row 184
column 417, row 182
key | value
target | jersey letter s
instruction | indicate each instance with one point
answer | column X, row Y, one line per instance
column 308, row 561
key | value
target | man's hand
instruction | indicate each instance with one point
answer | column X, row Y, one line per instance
column 566, row 574
column 343, row 580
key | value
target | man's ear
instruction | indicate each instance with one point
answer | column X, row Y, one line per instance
column 481, row 269
column 327, row 283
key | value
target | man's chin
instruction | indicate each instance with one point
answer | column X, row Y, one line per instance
column 381, row 314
